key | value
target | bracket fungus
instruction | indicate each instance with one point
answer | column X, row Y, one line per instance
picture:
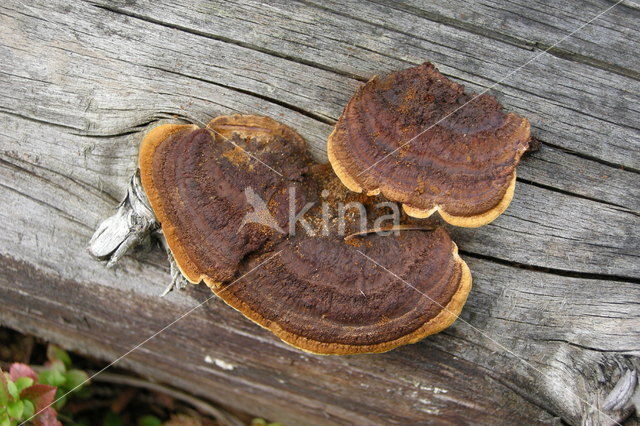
column 302, row 280
column 421, row 140
column 195, row 180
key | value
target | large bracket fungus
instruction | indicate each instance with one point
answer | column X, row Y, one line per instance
column 319, row 282
column 331, row 292
column 419, row 139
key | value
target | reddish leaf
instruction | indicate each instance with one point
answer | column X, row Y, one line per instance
column 48, row 417
column 18, row 370
column 42, row 396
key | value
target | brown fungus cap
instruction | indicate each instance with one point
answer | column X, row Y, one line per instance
column 408, row 136
column 196, row 181
column 318, row 291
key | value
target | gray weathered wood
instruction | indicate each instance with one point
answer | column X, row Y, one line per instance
column 159, row 88
column 578, row 106
column 540, row 25
column 556, row 279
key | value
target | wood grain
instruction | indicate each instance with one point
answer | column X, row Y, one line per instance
column 556, row 278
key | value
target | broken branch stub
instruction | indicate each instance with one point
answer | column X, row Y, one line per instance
column 132, row 224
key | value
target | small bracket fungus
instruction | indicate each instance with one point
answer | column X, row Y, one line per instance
column 419, row 139
column 301, row 279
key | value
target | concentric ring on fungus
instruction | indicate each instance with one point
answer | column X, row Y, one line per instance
column 316, row 292
column 463, row 166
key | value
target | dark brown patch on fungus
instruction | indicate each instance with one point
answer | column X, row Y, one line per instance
column 463, row 166
column 318, row 292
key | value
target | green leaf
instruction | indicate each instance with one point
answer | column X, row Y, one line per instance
column 75, row 378
column 15, row 409
column 4, row 420
column 29, row 409
column 149, row 420
column 54, row 353
column 57, row 365
column 23, row 383
column 13, row 389
column 52, row 377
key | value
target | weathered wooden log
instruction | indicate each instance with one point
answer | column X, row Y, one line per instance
column 552, row 326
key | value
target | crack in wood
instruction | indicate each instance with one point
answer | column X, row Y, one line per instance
column 574, row 194
column 554, row 271
column 592, row 158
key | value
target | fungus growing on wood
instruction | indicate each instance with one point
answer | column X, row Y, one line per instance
column 419, row 139
column 312, row 287
column 329, row 294
column 197, row 180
